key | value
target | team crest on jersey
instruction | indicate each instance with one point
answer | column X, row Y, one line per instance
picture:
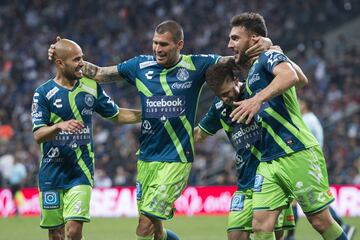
column 89, row 100
column 182, row 74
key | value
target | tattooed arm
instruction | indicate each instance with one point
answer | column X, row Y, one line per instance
column 101, row 74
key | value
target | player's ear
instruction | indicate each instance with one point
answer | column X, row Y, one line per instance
column 59, row 62
column 180, row 44
column 253, row 39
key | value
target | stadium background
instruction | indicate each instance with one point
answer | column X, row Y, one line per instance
column 322, row 36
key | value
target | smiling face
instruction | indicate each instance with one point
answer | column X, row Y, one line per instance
column 166, row 50
column 239, row 42
column 69, row 59
column 73, row 64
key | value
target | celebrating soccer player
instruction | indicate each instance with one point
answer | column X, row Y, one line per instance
column 242, row 137
column 292, row 163
column 62, row 112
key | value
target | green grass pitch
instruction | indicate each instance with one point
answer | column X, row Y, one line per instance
column 188, row 228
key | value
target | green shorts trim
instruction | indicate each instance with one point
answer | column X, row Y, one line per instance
column 159, row 185
column 59, row 206
column 301, row 175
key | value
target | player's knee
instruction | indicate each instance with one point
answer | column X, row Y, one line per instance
column 145, row 227
column 262, row 225
column 238, row 235
column 73, row 232
column 57, row 234
column 320, row 221
column 257, row 224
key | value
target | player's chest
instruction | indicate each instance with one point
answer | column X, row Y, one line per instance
column 175, row 81
column 257, row 79
column 72, row 103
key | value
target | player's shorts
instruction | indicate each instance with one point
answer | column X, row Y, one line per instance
column 158, row 186
column 58, row 207
column 241, row 214
column 302, row 175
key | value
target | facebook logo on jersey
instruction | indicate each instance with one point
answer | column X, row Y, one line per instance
column 73, row 139
column 164, row 107
column 245, row 135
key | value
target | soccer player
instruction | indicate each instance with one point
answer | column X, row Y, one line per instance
column 169, row 85
column 292, row 163
column 314, row 125
column 62, row 112
column 242, row 137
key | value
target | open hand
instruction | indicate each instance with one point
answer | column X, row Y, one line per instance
column 245, row 110
column 71, row 125
column 261, row 44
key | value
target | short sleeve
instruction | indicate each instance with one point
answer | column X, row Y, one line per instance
column 270, row 59
column 210, row 123
column 128, row 69
column 105, row 106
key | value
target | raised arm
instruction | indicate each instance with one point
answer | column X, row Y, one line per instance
column 101, row 74
column 92, row 71
column 128, row 116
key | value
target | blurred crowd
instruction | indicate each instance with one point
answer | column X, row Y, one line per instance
column 112, row 31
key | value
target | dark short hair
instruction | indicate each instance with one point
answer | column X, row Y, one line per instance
column 172, row 27
column 252, row 22
column 216, row 74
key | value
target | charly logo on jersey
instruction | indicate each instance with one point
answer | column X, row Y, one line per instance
column 223, row 112
column 164, row 107
column 57, row 103
column 182, row 74
column 149, row 74
column 89, row 100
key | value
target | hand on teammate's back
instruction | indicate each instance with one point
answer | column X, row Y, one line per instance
column 51, row 49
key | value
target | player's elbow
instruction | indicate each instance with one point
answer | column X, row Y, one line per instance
column 37, row 137
column 292, row 77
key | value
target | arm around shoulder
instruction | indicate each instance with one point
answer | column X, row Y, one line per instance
column 101, row 74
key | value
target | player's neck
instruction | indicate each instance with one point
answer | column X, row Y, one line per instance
column 64, row 82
